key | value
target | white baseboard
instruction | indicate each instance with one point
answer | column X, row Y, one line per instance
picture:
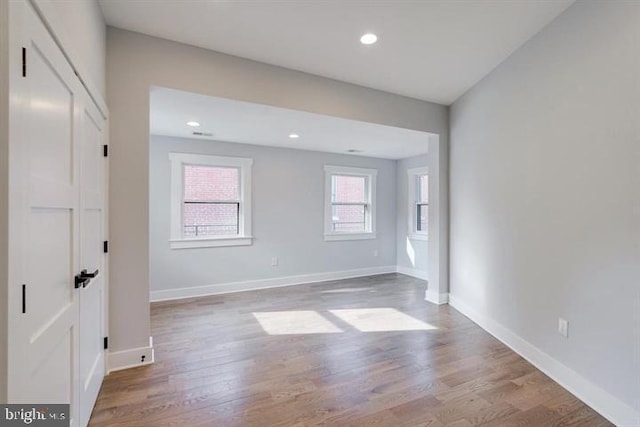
column 130, row 358
column 601, row 401
column 250, row 285
column 436, row 298
column 418, row 274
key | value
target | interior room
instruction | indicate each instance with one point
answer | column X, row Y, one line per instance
column 318, row 213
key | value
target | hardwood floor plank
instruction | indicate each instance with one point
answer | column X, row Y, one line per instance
column 359, row 352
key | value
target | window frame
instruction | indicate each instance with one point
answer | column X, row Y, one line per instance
column 370, row 193
column 414, row 175
column 177, row 239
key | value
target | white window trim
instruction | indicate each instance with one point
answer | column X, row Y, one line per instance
column 371, row 174
column 412, row 192
column 244, row 237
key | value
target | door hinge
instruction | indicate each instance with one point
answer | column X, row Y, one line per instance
column 24, row 299
column 106, row 343
column 105, row 246
column 105, row 150
column 24, row 62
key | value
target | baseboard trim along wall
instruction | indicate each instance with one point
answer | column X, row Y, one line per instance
column 131, row 358
column 436, row 298
column 601, row 401
column 251, row 285
column 418, row 274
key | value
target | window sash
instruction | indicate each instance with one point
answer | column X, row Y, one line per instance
column 196, row 228
column 365, row 208
column 365, row 218
column 418, row 211
column 334, row 191
column 418, row 189
column 366, row 204
column 213, row 166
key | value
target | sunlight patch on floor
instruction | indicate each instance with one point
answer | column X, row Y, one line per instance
column 295, row 322
column 381, row 320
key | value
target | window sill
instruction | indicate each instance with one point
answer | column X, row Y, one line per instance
column 210, row 242
column 416, row 236
column 348, row 236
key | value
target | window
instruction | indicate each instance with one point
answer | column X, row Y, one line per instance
column 349, row 203
column 211, row 201
column 418, row 203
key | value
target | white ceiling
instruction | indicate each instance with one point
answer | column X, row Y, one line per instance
column 248, row 123
column 433, row 50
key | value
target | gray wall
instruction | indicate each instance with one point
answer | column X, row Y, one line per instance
column 135, row 63
column 545, row 194
column 419, row 247
column 288, row 218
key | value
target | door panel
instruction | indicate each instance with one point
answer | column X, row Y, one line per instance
column 92, row 298
column 49, row 267
column 59, row 388
column 57, row 222
column 44, row 218
column 51, row 114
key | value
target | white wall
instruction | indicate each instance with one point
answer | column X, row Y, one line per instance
column 288, row 218
column 168, row 64
column 411, row 254
column 545, row 199
column 80, row 27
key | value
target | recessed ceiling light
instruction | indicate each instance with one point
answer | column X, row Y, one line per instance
column 294, row 136
column 368, row 38
column 193, row 124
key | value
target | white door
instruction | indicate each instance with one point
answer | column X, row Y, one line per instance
column 92, row 295
column 56, row 222
column 44, row 218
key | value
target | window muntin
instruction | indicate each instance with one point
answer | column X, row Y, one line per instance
column 350, row 203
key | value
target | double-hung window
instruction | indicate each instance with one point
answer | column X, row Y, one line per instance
column 350, row 203
column 211, row 201
column 418, row 203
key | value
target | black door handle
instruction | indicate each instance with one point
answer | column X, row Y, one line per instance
column 84, row 278
column 86, row 275
column 81, row 281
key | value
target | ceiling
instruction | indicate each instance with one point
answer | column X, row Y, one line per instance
column 244, row 122
column 433, row 50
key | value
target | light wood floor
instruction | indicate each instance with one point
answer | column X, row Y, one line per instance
column 360, row 352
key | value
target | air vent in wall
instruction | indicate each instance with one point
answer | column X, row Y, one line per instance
column 198, row 133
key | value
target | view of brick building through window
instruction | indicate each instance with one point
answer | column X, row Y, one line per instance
column 423, row 203
column 211, row 201
column 349, row 203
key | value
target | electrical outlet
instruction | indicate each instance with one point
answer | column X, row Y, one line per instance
column 375, row 252
column 274, row 261
column 563, row 327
